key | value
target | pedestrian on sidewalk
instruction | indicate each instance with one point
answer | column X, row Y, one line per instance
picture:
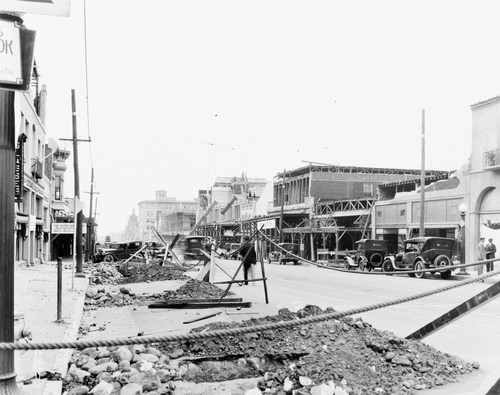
column 248, row 255
column 491, row 250
column 481, row 255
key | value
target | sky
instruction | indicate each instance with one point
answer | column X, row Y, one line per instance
column 176, row 93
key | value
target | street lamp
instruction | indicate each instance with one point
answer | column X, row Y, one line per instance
column 463, row 209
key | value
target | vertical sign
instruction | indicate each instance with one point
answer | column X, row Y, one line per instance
column 10, row 53
column 19, row 169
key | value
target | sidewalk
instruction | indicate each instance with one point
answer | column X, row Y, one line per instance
column 35, row 297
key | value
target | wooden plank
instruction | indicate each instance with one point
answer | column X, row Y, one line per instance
column 200, row 305
column 483, row 297
column 200, row 300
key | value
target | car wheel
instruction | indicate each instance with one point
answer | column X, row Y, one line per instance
column 387, row 267
column 446, row 275
column 442, row 260
column 108, row 258
column 419, row 265
column 295, row 262
column 361, row 266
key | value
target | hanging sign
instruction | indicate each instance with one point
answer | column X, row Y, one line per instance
column 10, row 53
column 44, row 7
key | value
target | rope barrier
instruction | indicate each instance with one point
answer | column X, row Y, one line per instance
column 80, row 344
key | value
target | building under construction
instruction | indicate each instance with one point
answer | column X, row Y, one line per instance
column 325, row 209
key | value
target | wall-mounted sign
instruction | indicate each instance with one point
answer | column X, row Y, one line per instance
column 63, row 228
column 44, row 7
column 10, row 53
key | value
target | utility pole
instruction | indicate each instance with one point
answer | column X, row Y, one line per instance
column 282, row 206
column 421, row 231
column 90, row 224
column 79, row 217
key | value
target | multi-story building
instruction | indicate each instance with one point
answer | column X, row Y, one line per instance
column 40, row 168
column 483, row 206
column 327, row 207
column 33, row 178
column 154, row 214
column 234, row 201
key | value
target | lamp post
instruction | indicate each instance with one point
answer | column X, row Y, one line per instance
column 463, row 209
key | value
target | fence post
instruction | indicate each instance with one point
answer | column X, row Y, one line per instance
column 59, row 288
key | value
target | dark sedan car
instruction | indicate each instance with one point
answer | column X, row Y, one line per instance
column 117, row 251
column 369, row 255
column 422, row 253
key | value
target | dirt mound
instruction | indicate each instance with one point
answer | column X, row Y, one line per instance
column 195, row 289
column 143, row 272
column 347, row 352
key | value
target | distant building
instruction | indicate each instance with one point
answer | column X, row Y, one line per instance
column 132, row 227
column 155, row 214
column 235, row 200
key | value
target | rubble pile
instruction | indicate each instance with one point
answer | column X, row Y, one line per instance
column 343, row 356
column 99, row 297
column 102, row 273
column 346, row 353
column 143, row 272
column 195, row 289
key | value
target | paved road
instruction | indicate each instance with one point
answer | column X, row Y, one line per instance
column 475, row 337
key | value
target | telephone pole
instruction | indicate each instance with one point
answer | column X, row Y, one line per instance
column 90, row 224
column 79, row 217
column 421, row 230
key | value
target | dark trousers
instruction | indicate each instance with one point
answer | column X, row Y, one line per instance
column 489, row 266
column 246, row 269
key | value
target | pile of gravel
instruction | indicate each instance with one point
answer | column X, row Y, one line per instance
column 144, row 272
column 102, row 273
column 346, row 353
column 195, row 289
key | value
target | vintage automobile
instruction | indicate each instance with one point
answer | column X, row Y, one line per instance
column 422, row 253
column 282, row 257
column 192, row 246
column 370, row 254
column 117, row 251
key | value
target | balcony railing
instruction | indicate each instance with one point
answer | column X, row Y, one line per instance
column 491, row 158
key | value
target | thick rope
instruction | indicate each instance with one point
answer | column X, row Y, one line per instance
column 223, row 333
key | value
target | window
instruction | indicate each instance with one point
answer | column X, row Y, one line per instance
column 402, row 213
column 367, row 188
column 57, row 188
column 379, row 213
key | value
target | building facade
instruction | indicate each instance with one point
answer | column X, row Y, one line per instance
column 156, row 214
column 483, row 206
column 33, row 178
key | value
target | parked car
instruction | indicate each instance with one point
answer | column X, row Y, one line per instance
column 423, row 253
column 370, row 254
column 117, row 251
column 282, row 257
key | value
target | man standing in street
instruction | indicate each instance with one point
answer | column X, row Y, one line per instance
column 481, row 255
column 491, row 249
column 248, row 255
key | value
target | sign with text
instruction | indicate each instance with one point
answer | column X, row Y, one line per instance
column 10, row 53
column 67, row 228
column 44, row 7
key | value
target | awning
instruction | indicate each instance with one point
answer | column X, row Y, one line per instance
column 22, row 219
column 59, row 205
